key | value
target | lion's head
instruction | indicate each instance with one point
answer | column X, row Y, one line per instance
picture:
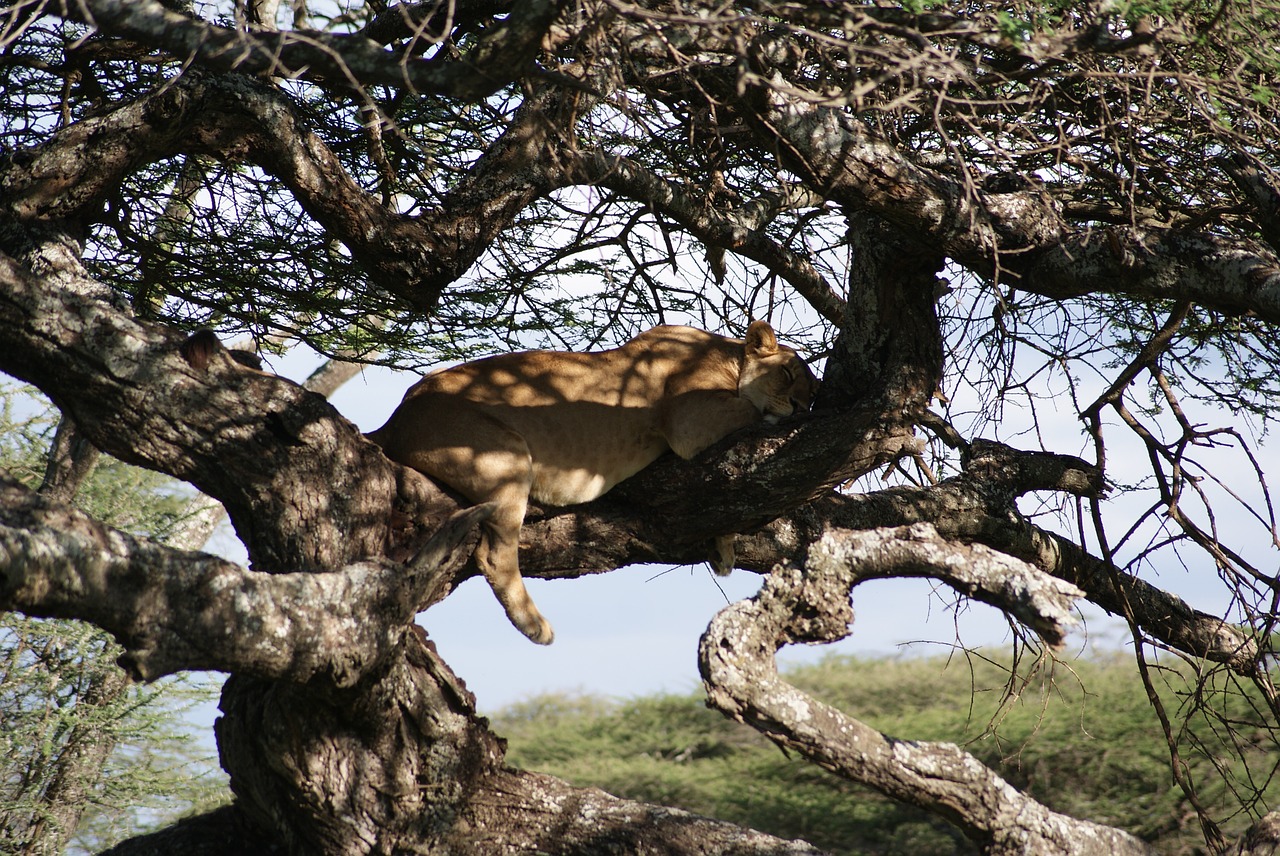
column 773, row 376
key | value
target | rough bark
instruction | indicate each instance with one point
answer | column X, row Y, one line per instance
column 176, row 609
column 965, row 510
column 811, row 604
column 499, row 58
column 71, row 460
column 557, row 820
column 1262, row 839
column 1020, row 236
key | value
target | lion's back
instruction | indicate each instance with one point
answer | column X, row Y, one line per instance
column 588, row 420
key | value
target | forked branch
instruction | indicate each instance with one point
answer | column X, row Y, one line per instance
column 737, row 659
column 176, row 610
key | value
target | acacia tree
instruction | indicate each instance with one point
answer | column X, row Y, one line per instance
column 965, row 212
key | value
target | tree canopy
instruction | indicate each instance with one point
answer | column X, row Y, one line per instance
column 1030, row 247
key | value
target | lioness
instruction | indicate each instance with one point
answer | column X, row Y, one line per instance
column 566, row 427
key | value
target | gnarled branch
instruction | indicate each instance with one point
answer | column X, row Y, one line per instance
column 501, row 55
column 962, row 509
column 175, row 610
column 736, row 657
column 1018, row 234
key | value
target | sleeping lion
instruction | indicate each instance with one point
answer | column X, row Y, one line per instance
column 564, row 428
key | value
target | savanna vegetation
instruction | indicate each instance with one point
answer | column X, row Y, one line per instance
column 88, row 757
column 1077, row 734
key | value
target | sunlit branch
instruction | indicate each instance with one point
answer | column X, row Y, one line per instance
column 176, row 610
column 1018, row 236
column 811, row 604
column 960, row 509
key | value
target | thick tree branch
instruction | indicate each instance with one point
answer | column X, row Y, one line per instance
column 561, row 821
column 1040, row 601
column 1165, row 616
column 239, row 119
column 889, row 351
column 233, row 119
column 175, row 610
column 262, row 445
column 1019, row 236
column 502, row 55
column 1008, row 472
column 809, row 604
column 564, row 820
column 962, row 510
column 1230, row 276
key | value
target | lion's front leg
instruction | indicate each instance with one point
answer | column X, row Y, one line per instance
column 503, row 474
column 486, row 461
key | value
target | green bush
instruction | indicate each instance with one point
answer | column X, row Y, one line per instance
column 1080, row 737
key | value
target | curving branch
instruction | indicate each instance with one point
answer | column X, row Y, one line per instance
column 1017, row 236
column 502, row 55
column 811, row 604
column 176, row 610
column 963, row 509
column 1040, row 601
column 1234, row 277
column 263, row 446
column 587, row 820
column 240, row 119
column 1166, row 617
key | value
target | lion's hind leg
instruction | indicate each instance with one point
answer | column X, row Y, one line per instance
column 498, row 559
column 496, row 466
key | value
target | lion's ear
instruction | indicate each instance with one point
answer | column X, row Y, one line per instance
column 761, row 342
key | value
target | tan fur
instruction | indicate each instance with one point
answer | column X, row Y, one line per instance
column 563, row 428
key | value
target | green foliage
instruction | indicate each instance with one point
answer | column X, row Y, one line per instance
column 1081, row 738
column 138, row 501
column 61, row 692
column 60, row 687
